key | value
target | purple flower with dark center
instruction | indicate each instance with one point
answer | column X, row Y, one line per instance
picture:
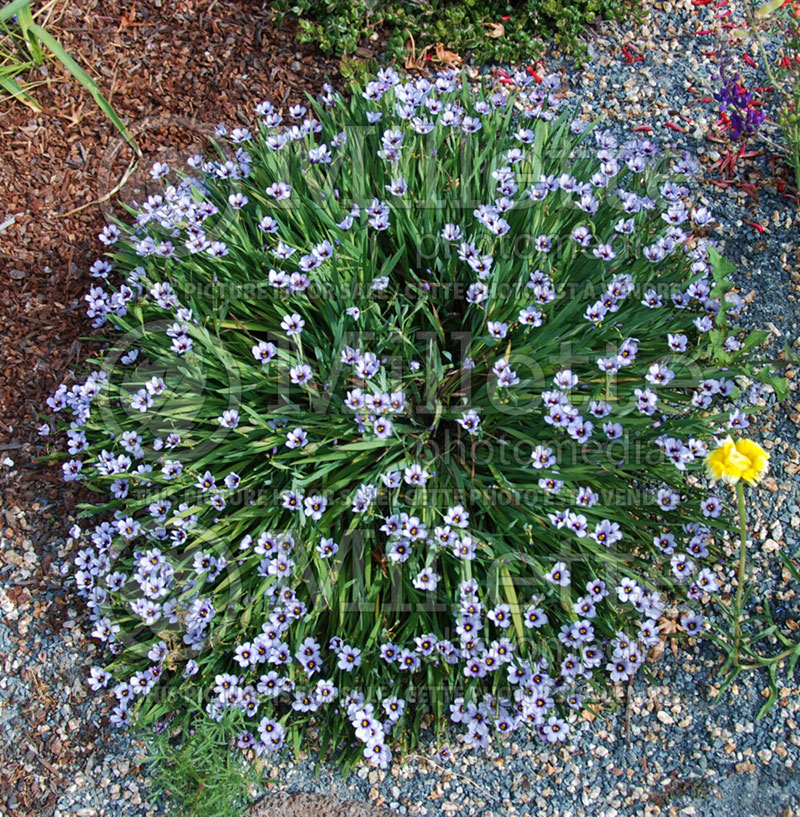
column 501, row 616
column 619, row 670
column 389, row 653
column 425, row 644
column 555, row 730
column 408, row 661
column 738, row 420
column 559, row 575
column 711, row 507
column 692, row 623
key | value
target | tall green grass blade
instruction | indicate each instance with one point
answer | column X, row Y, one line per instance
column 13, row 8
column 14, row 89
column 26, row 24
column 86, row 81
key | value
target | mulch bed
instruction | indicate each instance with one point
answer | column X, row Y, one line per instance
column 172, row 70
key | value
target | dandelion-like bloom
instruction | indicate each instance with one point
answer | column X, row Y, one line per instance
column 732, row 461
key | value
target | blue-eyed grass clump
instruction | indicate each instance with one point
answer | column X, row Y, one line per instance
column 403, row 414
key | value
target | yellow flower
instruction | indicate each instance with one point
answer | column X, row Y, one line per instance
column 732, row 461
column 758, row 459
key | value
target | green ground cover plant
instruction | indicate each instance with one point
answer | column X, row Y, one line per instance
column 485, row 31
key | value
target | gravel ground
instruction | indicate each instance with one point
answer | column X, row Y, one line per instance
column 52, row 744
column 669, row 752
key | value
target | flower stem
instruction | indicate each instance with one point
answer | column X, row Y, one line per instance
column 737, row 610
column 774, row 659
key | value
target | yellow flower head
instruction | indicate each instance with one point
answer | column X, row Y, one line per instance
column 732, row 461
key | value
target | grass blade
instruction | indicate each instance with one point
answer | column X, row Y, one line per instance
column 26, row 23
column 85, row 80
column 14, row 89
column 14, row 7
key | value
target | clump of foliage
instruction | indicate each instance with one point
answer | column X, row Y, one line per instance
column 783, row 17
column 402, row 420
column 789, row 73
column 193, row 772
column 486, row 31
